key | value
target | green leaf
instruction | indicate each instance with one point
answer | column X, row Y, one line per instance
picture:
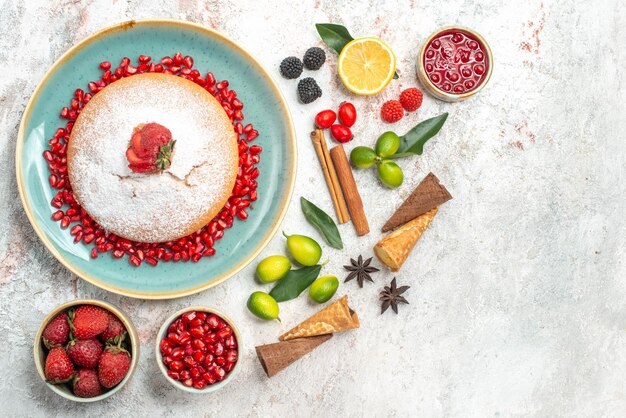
column 295, row 282
column 322, row 222
column 412, row 143
column 335, row 36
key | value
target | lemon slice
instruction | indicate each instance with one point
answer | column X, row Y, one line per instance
column 366, row 65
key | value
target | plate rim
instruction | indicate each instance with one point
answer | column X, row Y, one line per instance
column 283, row 204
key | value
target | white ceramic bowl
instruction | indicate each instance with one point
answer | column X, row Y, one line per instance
column 39, row 349
column 159, row 357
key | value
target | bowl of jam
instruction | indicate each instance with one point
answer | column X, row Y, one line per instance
column 454, row 63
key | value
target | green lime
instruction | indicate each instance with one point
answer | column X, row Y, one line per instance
column 263, row 305
column 303, row 249
column 273, row 268
column 390, row 174
column 363, row 157
column 323, row 288
column 387, row 144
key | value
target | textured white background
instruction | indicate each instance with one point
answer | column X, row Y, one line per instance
column 518, row 291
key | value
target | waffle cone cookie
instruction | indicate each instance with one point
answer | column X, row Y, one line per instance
column 394, row 249
column 277, row 356
column 333, row 318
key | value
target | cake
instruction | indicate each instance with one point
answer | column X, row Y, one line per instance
column 152, row 157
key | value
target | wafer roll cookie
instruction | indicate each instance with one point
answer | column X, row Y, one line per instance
column 394, row 249
column 334, row 318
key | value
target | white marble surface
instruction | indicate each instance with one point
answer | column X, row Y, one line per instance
column 518, row 288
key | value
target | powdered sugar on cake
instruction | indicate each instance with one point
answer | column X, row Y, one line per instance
column 153, row 207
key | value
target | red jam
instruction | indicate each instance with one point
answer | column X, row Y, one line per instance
column 456, row 62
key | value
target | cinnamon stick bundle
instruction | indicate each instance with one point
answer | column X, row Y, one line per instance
column 350, row 191
column 330, row 175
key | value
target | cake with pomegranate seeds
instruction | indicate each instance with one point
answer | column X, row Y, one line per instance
column 152, row 157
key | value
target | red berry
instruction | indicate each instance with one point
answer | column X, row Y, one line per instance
column 85, row 353
column 411, row 99
column 86, row 383
column 114, row 329
column 391, row 111
column 347, row 114
column 325, row 119
column 88, row 321
column 113, row 366
column 341, row 133
column 57, row 331
column 59, row 367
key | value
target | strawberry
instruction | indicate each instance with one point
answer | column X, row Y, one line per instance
column 114, row 364
column 85, row 353
column 88, row 321
column 86, row 383
column 115, row 329
column 57, row 332
column 59, row 367
column 150, row 149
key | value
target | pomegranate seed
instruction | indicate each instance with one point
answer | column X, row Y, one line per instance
column 174, row 375
column 174, row 69
column 144, row 58
column 188, row 382
column 199, row 384
column 58, row 215
column 93, row 87
column 135, row 261
column 185, row 374
column 189, row 361
column 105, row 65
column 178, row 58
column 252, row 135
column 184, row 337
column 208, row 377
column 177, row 366
column 188, row 61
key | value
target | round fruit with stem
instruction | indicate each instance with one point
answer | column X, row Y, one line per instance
column 390, row 174
column 347, row 114
column 263, row 306
column 272, row 268
column 325, row 119
column 363, row 157
column 303, row 249
column 387, row 144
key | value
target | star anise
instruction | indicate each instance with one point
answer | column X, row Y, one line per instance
column 361, row 270
column 391, row 296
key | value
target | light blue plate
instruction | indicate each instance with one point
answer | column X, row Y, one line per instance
column 264, row 107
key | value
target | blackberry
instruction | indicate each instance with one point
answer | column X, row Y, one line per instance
column 308, row 90
column 291, row 67
column 314, row 58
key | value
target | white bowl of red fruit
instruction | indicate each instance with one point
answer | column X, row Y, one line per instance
column 197, row 349
column 86, row 350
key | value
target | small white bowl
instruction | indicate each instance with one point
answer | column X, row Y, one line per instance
column 39, row 353
column 159, row 357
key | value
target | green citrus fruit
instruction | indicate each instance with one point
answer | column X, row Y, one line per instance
column 387, row 144
column 390, row 174
column 273, row 268
column 263, row 305
column 323, row 288
column 363, row 157
column 303, row 249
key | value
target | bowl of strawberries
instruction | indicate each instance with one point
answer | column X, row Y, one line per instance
column 86, row 350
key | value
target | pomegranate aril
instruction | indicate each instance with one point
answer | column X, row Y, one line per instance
column 199, row 384
column 230, row 342
column 105, row 65
column 224, row 332
column 184, row 337
column 188, row 382
column 176, row 366
column 220, row 361
column 231, row 356
column 209, row 378
column 185, row 374
column 174, row 375
column 189, row 361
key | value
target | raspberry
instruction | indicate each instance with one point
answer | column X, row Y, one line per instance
column 391, row 111
column 411, row 99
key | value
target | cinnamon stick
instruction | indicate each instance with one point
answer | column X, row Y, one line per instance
column 350, row 191
column 330, row 175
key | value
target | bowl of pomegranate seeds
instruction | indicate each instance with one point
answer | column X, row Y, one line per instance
column 86, row 350
column 197, row 349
